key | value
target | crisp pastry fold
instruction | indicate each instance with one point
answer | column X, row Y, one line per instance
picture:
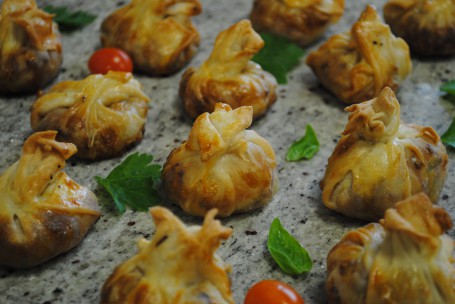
column 157, row 34
column 406, row 258
column 179, row 265
column 30, row 47
column 301, row 21
column 43, row 211
column 229, row 76
column 357, row 65
column 102, row 115
column 427, row 26
column 380, row 161
column 222, row 165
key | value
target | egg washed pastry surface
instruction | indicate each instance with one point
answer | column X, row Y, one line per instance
column 179, row 265
column 356, row 65
column 407, row 159
column 44, row 212
column 370, row 264
column 427, row 26
column 30, row 47
column 157, row 34
column 78, row 275
column 229, row 76
column 103, row 115
column 222, row 165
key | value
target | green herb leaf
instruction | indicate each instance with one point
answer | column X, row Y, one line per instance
column 306, row 147
column 70, row 20
column 133, row 182
column 286, row 251
column 278, row 56
column 449, row 136
column 449, row 87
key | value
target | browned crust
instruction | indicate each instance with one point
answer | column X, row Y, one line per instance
column 423, row 38
column 301, row 25
column 38, row 56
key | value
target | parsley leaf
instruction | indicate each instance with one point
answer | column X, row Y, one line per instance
column 278, row 56
column 306, row 147
column 286, row 251
column 67, row 19
column 449, row 136
column 133, row 182
column 449, row 87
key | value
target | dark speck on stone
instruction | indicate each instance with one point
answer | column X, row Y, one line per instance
column 131, row 223
column 75, row 262
column 120, row 3
column 57, row 290
column 445, row 197
column 252, row 232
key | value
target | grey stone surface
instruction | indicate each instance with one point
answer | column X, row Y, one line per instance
column 77, row 276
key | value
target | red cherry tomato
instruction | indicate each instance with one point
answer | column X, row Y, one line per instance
column 272, row 292
column 109, row 59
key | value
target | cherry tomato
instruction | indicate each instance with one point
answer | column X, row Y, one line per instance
column 110, row 59
column 272, row 292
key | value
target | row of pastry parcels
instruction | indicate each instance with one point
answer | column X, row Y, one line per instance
column 405, row 258
column 354, row 65
column 378, row 161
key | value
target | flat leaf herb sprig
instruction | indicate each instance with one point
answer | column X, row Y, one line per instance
column 278, row 56
column 69, row 20
column 449, row 135
column 133, row 183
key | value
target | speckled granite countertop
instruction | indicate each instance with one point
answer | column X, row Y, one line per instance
column 76, row 277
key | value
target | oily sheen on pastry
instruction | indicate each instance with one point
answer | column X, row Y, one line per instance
column 157, row 34
column 102, row 115
column 406, row 258
column 229, row 76
column 222, row 165
column 380, row 161
column 427, row 26
column 30, row 47
column 179, row 265
column 357, row 65
column 43, row 211
column 301, row 21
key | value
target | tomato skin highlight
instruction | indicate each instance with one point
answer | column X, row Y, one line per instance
column 109, row 59
column 272, row 292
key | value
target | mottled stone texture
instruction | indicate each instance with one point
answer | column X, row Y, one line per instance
column 77, row 277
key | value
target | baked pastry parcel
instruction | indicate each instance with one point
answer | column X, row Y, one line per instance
column 157, row 34
column 102, row 115
column 179, row 265
column 30, row 47
column 380, row 161
column 221, row 166
column 357, row 65
column 229, row 75
column 406, row 258
column 43, row 211
column 301, row 21
column 427, row 26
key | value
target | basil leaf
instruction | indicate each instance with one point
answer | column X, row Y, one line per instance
column 306, row 147
column 70, row 20
column 278, row 56
column 449, row 87
column 449, row 136
column 133, row 182
column 286, row 251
